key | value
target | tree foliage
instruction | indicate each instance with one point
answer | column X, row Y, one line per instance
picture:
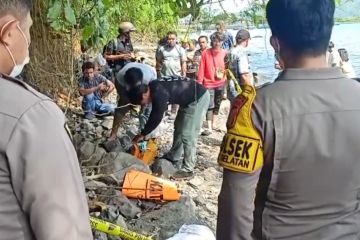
column 253, row 14
column 98, row 19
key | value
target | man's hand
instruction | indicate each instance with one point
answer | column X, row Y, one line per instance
column 247, row 79
column 138, row 138
column 128, row 56
column 102, row 87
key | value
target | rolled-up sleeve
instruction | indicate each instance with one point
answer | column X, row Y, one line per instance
column 46, row 177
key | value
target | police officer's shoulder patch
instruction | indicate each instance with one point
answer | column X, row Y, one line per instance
column 241, row 149
column 237, row 104
column 240, row 153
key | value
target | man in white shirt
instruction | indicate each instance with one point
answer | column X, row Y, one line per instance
column 239, row 61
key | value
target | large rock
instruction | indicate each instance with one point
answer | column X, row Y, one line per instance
column 107, row 124
column 86, row 150
column 99, row 130
column 77, row 140
column 100, row 236
column 94, row 185
column 113, row 146
column 170, row 217
column 87, row 125
column 126, row 142
column 163, row 167
column 95, row 157
column 121, row 163
column 127, row 208
column 120, row 221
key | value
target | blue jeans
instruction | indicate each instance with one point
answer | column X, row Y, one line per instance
column 92, row 103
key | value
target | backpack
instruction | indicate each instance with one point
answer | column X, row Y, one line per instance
column 111, row 63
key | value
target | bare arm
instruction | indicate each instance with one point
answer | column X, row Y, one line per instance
column 120, row 112
column 183, row 62
column 183, row 68
column 122, row 56
column 159, row 62
column 84, row 91
column 158, row 68
column 111, row 86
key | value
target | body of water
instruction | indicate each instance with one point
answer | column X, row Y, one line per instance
column 262, row 54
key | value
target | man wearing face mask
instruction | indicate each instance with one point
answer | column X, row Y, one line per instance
column 291, row 153
column 41, row 189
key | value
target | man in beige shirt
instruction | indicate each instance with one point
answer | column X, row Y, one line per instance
column 42, row 195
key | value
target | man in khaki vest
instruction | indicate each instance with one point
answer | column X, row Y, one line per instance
column 42, row 195
column 291, row 156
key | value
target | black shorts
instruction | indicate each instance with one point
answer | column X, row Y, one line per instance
column 123, row 100
column 216, row 96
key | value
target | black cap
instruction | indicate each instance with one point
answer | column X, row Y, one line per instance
column 243, row 34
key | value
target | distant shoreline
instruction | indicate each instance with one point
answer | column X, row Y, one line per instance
column 348, row 20
column 338, row 21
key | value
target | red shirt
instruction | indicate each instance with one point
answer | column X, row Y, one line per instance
column 210, row 60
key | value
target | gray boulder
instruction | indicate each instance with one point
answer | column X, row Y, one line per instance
column 95, row 157
column 100, row 236
column 126, row 142
column 163, row 167
column 127, row 208
column 170, row 217
column 121, row 163
column 107, row 124
column 113, row 146
column 86, row 150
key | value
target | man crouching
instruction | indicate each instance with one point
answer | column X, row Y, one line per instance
column 93, row 87
column 193, row 100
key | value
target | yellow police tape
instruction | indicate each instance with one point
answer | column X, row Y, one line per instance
column 115, row 230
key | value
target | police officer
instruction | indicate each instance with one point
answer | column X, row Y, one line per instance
column 41, row 189
column 120, row 51
column 291, row 154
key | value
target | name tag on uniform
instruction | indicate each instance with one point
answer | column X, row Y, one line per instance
column 240, row 153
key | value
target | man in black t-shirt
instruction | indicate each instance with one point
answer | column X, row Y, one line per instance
column 193, row 100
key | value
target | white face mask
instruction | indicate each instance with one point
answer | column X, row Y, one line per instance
column 18, row 68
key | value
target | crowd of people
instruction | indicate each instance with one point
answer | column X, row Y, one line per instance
column 290, row 154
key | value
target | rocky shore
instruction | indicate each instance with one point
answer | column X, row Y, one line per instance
column 103, row 175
